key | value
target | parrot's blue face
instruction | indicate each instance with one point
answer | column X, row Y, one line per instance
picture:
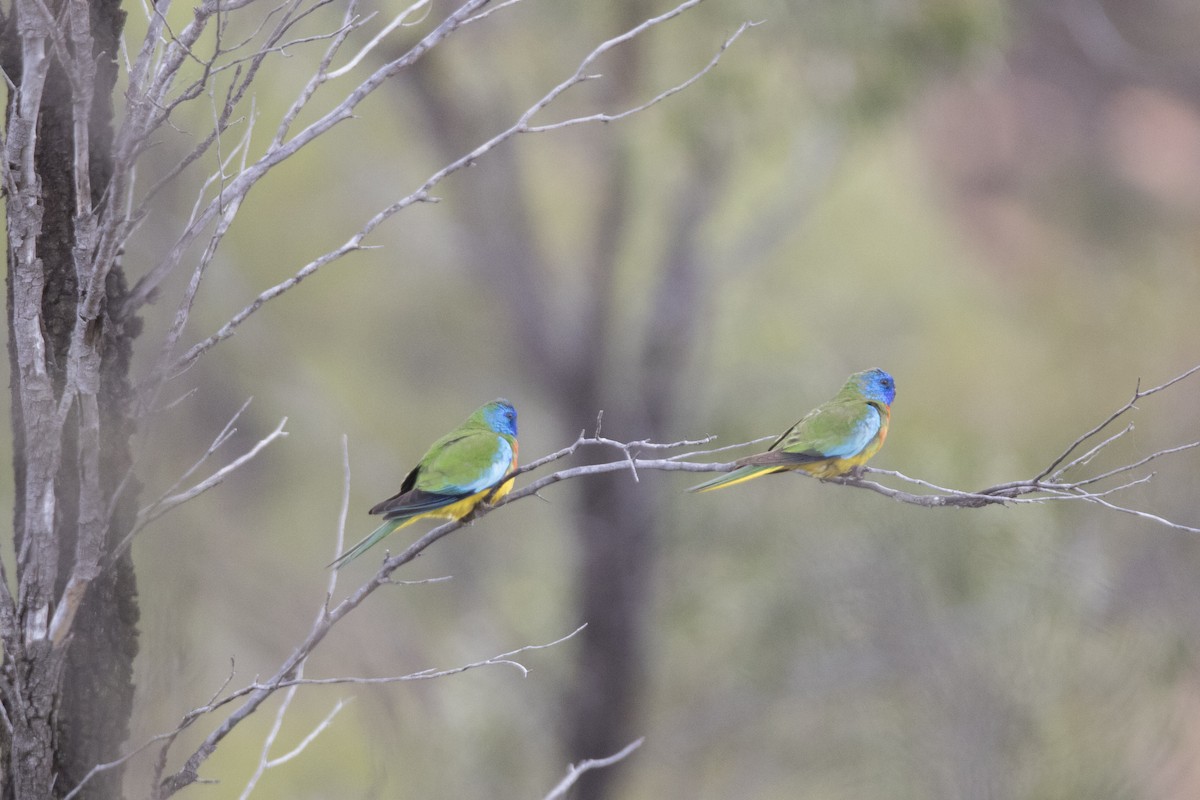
column 877, row 386
column 501, row 417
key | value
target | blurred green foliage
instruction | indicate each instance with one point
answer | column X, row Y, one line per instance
column 805, row 640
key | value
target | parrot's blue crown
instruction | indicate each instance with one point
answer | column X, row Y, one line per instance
column 501, row 417
column 877, row 386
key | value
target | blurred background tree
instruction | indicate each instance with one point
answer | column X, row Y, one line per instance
column 994, row 200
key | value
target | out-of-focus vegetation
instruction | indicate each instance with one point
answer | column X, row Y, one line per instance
column 995, row 201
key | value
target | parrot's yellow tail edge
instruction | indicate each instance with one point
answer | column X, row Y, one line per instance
column 733, row 478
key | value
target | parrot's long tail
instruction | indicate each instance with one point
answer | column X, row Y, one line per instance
column 389, row 526
column 739, row 475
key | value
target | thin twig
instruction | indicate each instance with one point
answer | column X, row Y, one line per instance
column 430, row 673
column 1137, row 395
column 307, row 740
column 658, row 98
column 576, row 770
column 1142, row 514
column 168, row 503
column 399, row 20
column 488, row 12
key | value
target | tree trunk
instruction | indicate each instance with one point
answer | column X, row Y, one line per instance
column 70, row 633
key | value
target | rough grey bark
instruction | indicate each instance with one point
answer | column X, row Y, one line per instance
column 70, row 633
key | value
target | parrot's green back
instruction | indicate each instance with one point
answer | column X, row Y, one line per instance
column 454, row 460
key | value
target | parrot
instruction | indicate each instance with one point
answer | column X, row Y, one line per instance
column 472, row 464
column 831, row 440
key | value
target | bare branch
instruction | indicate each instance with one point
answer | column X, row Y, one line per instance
column 422, row 194
column 169, row 737
column 579, row 77
column 490, row 11
column 428, row 674
column 111, row 765
column 268, row 688
column 1090, row 454
column 1139, row 463
column 722, row 449
column 399, row 20
column 342, row 515
column 576, row 770
column 307, row 740
column 230, row 327
column 1137, row 395
column 1141, row 514
column 221, row 438
column 279, row 150
column 266, row 763
column 169, row 502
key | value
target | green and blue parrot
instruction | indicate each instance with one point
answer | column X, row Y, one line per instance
column 832, row 439
column 472, row 464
